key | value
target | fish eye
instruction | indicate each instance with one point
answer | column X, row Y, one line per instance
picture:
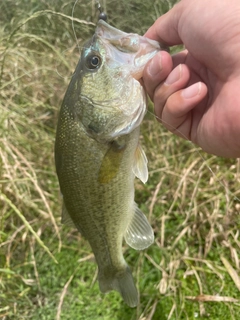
column 93, row 62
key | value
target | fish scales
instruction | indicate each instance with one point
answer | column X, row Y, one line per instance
column 94, row 199
column 97, row 152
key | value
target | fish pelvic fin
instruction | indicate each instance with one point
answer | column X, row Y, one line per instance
column 140, row 168
column 123, row 283
column 139, row 234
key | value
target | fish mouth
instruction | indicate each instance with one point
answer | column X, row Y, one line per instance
column 130, row 49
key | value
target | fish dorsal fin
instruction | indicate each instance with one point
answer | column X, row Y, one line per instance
column 140, row 168
column 111, row 162
column 139, row 234
column 66, row 219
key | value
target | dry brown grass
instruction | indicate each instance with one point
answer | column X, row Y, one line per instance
column 192, row 199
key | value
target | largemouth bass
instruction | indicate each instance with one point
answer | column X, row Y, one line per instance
column 97, row 152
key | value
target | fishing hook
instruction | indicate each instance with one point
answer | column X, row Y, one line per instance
column 102, row 15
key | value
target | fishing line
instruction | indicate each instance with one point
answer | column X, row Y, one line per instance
column 103, row 16
column 201, row 156
column 98, row 5
column 73, row 28
column 75, row 36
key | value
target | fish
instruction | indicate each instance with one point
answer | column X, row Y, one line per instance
column 98, row 153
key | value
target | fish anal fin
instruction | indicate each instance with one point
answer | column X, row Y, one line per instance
column 139, row 234
column 66, row 219
column 140, row 168
column 111, row 162
column 123, row 283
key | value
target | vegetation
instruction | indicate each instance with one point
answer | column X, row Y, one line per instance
column 192, row 199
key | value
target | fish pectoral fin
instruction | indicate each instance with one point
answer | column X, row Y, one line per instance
column 111, row 162
column 66, row 219
column 140, row 168
column 139, row 234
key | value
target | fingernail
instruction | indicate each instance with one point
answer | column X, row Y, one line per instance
column 192, row 91
column 155, row 65
column 175, row 75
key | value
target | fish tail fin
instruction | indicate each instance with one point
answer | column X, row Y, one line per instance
column 121, row 282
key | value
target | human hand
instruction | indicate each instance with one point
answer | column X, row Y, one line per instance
column 200, row 99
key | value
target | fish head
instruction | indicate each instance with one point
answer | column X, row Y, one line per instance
column 105, row 92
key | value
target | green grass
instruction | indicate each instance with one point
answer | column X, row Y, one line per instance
column 194, row 210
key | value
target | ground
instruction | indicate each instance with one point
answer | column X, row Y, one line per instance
column 47, row 271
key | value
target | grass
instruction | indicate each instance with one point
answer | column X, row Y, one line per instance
column 191, row 199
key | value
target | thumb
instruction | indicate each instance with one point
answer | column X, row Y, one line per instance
column 165, row 28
